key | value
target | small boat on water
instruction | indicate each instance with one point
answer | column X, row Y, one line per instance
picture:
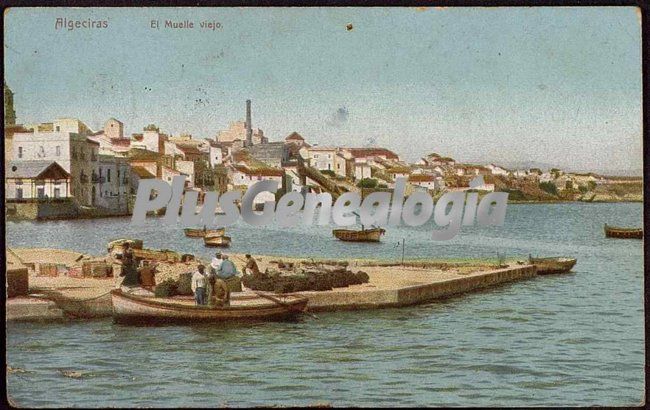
column 363, row 235
column 146, row 310
column 547, row 266
column 200, row 233
column 626, row 233
column 216, row 240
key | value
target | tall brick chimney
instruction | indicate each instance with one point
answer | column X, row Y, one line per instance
column 249, row 125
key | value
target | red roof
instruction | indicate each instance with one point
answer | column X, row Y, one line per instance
column 123, row 142
column 372, row 152
column 421, row 178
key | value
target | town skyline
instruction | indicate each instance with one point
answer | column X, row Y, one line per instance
column 339, row 96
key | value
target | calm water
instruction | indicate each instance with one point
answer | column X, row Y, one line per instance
column 572, row 339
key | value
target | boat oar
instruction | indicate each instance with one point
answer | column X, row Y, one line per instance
column 281, row 303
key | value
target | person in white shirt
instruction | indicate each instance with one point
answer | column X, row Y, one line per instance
column 216, row 263
column 199, row 282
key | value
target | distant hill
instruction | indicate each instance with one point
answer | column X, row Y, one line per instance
column 544, row 166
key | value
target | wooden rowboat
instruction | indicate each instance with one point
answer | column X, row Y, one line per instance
column 132, row 309
column 627, row 233
column 200, row 233
column 364, row 235
column 216, row 240
column 547, row 266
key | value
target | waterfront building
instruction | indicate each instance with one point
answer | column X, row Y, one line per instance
column 77, row 154
column 187, row 168
column 112, row 184
column 137, row 174
column 36, row 180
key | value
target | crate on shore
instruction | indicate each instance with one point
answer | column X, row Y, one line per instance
column 75, row 272
column 17, row 282
column 48, row 269
column 96, row 269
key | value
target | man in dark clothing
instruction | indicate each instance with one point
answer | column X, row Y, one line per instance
column 129, row 270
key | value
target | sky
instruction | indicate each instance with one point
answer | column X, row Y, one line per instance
column 560, row 86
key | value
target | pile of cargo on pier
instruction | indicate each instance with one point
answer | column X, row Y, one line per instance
column 287, row 277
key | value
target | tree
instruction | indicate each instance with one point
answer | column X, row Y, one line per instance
column 548, row 187
column 367, row 183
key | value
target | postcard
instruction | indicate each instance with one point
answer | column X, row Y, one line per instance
column 323, row 207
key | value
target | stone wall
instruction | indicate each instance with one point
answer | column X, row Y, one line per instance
column 413, row 295
column 42, row 210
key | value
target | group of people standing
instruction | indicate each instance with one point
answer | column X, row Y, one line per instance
column 210, row 287
column 213, row 287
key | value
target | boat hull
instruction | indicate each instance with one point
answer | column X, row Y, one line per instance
column 623, row 233
column 550, row 266
column 200, row 233
column 367, row 235
column 217, row 241
column 131, row 309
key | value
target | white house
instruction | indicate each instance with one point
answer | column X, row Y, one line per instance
column 245, row 177
column 36, row 180
column 423, row 181
column 321, row 158
column 215, row 154
column 362, row 170
column 75, row 153
column 497, row 170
